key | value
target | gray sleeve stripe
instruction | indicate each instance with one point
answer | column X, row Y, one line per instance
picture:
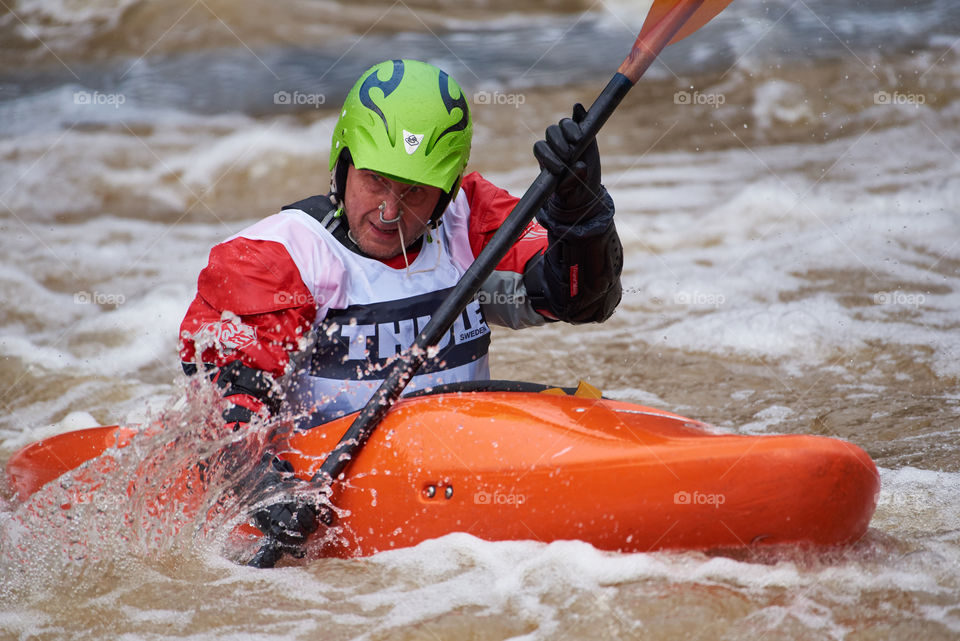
column 505, row 301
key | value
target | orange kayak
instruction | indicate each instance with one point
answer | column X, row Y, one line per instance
column 520, row 465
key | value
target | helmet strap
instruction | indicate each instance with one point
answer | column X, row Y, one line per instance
column 338, row 177
column 445, row 199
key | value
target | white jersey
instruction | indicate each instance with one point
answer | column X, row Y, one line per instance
column 368, row 313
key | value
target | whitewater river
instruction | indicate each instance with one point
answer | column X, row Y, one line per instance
column 787, row 184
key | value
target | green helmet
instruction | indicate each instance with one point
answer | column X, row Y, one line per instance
column 407, row 120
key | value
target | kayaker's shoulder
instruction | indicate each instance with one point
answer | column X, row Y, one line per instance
column 488, row 204
column 478, row 188
column 316, row 207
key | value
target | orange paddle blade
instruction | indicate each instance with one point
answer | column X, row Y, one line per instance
column 702, row 16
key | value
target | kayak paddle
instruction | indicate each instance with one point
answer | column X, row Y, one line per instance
column 667, row 22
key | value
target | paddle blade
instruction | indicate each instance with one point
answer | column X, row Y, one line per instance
column 702, row 16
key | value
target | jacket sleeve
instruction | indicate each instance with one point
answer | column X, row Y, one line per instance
column 252, row 310
column 554, row 271
column 504, row 295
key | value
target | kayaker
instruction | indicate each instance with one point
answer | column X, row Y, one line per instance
column 301, row 312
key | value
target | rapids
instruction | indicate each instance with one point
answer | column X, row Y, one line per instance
column 788, row 193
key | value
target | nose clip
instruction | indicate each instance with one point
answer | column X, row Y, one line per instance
column 382, row 207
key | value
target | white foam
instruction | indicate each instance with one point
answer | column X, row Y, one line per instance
column 77, row 420
column 130, row 295
column 34, row 421
column 256, row 146
column 741, row 275
column 918, row 503
column 766, row 418
column 778, row 103
column 459, row 571
column 141, row 331
column 136, row 157
column 635, row 395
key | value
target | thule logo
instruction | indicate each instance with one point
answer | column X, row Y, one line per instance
column 383, row 341
column 358, row 342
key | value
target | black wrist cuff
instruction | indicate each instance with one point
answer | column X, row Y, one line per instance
column 589, row 221
column 236, row 378
column 237, row 414
column 571, row 215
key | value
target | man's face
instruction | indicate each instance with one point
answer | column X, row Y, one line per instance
column 366, row 192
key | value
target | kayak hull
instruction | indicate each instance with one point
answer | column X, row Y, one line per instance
column 516, row 465
column 620, row 476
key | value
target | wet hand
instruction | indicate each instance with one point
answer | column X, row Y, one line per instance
column 288, row 523
column 290, row 519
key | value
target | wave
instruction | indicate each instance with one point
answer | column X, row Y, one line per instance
column 69, row 33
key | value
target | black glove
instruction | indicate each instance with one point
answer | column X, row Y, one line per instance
column 289, row 521
column 579, row 190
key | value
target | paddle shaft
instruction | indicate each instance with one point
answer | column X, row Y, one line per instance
column 644, row 52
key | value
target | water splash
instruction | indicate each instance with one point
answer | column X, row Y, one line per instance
column 182, row 486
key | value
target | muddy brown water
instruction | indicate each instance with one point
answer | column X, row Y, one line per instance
column 791, row 221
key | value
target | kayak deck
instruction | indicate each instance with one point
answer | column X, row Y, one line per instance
column 624, row 477
column 520, row 465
